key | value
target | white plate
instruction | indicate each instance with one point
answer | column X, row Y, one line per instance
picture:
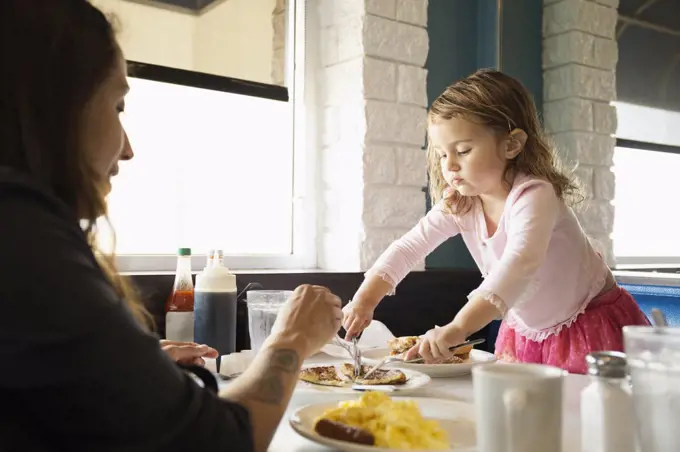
column 415, row 380
column 457, row 418
column 373, row 357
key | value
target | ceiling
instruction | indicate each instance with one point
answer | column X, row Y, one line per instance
column 648, row 71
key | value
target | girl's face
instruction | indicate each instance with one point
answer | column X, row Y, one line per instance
column 103, row 137
column 472, row 157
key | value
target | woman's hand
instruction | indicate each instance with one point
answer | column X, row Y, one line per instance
column 308, row 320
column 434, row 345
column 188, row 353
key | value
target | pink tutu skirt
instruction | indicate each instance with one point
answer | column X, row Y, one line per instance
column 598, row 328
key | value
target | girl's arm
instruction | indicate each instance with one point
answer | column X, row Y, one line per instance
column 475, row 315
column 407, row 252
column 372, row 290
column 395, row 263
column 434, row 345
column 532, row 217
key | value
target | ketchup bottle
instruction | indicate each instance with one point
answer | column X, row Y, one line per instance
column 179, row 309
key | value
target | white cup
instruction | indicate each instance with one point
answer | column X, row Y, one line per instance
column 518, row 407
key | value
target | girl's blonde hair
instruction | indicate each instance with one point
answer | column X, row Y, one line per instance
column 498, row 101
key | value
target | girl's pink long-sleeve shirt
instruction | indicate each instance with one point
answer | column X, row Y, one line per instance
column 539, row 267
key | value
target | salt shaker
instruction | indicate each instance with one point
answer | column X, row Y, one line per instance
column 607, row 417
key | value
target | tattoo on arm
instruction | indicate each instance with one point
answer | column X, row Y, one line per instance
column 270, row 387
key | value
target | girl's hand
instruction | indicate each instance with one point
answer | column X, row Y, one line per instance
column 356, row 317
column 434, row 345
column 188, row 352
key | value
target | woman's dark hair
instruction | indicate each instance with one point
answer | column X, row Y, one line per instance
column 54, row 55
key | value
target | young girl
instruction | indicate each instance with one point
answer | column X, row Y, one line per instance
column 495, row 180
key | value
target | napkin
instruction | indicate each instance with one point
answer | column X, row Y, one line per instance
column 236, row 363
column 375, row 335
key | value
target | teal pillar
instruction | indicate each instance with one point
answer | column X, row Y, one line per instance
column 521, row 44
column 466, row 35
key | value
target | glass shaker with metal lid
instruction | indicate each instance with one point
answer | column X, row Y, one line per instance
column 607, row 416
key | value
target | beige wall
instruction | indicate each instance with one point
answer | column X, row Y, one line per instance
column 152, row 35
column 234, row 38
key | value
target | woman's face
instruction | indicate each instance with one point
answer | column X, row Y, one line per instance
column 103, row 137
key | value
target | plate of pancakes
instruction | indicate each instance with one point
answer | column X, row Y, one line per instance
column 339, row 378
column 460, row 364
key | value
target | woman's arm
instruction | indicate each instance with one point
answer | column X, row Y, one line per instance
column 265, row 388
column 79, row 369
column 308, row 320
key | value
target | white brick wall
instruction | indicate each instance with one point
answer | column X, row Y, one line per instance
column 372, row 95
column 579, row 62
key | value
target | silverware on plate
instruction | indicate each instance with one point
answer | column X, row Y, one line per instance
column 357, row 357
column 353, row 350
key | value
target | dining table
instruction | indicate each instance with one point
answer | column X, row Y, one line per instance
column 457, row 388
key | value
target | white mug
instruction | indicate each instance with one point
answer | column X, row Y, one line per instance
column 518, row 407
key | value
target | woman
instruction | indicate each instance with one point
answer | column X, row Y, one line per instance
column 80, row 370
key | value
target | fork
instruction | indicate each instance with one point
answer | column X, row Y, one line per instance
column 392, row 359
column 354, row 352
column 357, row 357
column 344, row 344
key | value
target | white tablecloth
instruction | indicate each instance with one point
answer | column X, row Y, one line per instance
column 286, row 440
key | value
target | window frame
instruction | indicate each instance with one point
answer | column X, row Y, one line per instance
column 644, row 262
column 296, row 93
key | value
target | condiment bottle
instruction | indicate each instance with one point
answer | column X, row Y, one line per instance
column 179, row 308
column 215, row 315
column 607, row 416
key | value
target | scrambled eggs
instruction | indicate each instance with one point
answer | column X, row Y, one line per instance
column 395, row 424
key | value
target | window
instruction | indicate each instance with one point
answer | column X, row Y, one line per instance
column 647, row 168
column 212, row 169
